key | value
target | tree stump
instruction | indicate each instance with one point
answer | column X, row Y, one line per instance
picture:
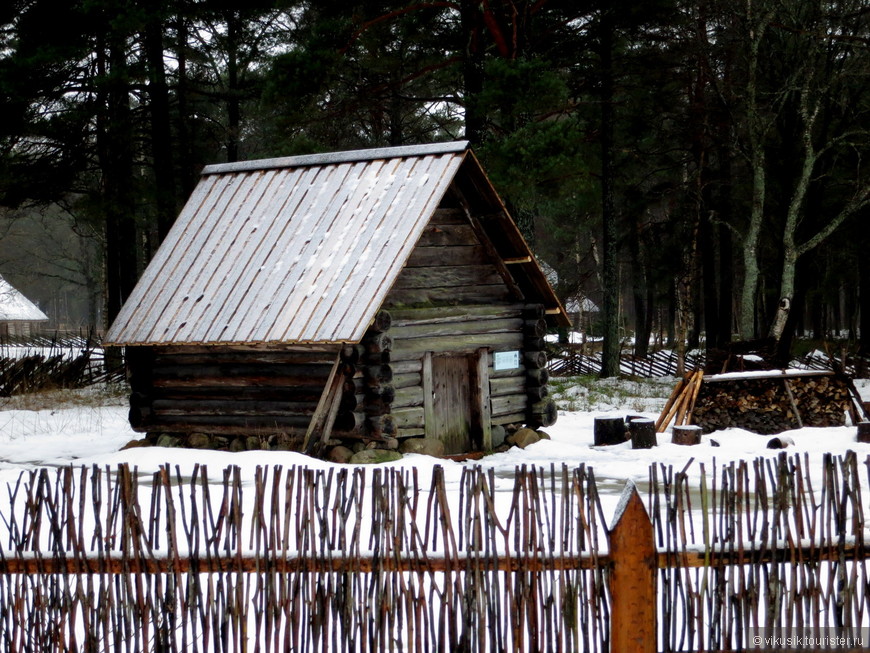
column 780, row 442
column 687, row 434
column 863, row 431
column 609, row 430
column 643, row 433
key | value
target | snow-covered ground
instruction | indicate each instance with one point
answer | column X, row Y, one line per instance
column 89, row 427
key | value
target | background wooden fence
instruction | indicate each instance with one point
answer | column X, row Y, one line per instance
column 59, row 360
column 347, row 559
column 573, row 360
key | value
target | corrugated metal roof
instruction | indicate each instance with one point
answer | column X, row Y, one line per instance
column 302, row 249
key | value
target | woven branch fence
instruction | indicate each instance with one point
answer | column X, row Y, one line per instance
column 38, row 362
column 354, row 559
column 569, row 361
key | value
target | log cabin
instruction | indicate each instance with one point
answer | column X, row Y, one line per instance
column 18, row 315
column 364, row 296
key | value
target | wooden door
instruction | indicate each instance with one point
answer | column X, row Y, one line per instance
column 452, row 395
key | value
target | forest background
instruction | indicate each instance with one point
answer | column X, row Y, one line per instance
column 694, row 168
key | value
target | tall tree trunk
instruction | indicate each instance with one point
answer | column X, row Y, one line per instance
column 161, row 132
column 234, row 109
column 472, row 71
column 726, row 252
column 187, row 165
column 864, row 297
column 712, row 324
column 610, row 308
column 756, row 125
column 115, row 154
column 640, row 291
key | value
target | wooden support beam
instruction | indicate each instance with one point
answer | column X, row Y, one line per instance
column 481, row 391
column 327, row 408
column 632, row 577
column 489, row 247
column 792, row 403
column 428, row 397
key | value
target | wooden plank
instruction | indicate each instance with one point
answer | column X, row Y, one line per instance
column 402, row 367
column 459, row 344
column 407, row 380
column 242, row 424
column 410, row 396
column 492, row 250
column 232, row 382
column 632, row 577
column 183, row 407
column 324, row 415
column 429, row 425
column 504, row 374
column 234, row 370
column 793, row 403
column 448, row 215
column 330, row 422
column 510, row 385
column 310, row 393
column 509, row 418
column 248, row 347
column 503, row 325
column 508, row 404
column 410, row 417
column 404, row 316
column 447, row 276
column 248, row 357
column 480, row 391
column 441, row 235
column 447, row 295
column 517, row 260
column 456, row 255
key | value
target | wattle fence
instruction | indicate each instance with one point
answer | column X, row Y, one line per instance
column 60, row 360
column 570, row 360
column 355, row 559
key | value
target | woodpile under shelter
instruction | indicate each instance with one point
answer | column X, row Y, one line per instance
column 371, row 295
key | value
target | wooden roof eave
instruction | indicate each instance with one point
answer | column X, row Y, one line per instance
column 503, row 233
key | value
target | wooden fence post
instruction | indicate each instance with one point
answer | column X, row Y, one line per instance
column 633, row 577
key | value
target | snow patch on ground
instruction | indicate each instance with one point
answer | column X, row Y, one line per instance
column 95, row 434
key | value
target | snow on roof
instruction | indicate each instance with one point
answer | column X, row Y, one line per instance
column 16, row 307
column 581, row 304
column 301, row 249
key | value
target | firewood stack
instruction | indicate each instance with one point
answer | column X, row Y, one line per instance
column 773, row 404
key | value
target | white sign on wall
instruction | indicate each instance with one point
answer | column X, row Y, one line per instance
column 505, row 360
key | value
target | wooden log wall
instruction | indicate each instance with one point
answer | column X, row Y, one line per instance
column 465, row 301
column 516, row 396
column 449, row 265
column 455, row 296
column 368, row 390
column 228, row 390
column 457, row 330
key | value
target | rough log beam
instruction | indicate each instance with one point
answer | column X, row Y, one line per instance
column 484, row 240
column 504, row 325
column 465, row 343
column 413, row 316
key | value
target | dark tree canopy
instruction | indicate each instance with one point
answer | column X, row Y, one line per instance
column 684, row 169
